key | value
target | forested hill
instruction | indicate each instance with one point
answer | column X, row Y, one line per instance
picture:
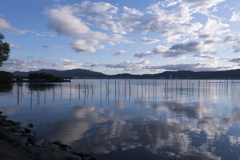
column 74, row 73
column 82, row 73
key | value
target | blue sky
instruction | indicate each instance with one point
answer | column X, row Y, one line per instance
column 138, row 37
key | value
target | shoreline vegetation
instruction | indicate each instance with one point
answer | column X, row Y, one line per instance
column 180, row 74
column 20, row 143
column 35, row 77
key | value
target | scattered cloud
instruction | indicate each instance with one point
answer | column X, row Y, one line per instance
column 147, row 40
column 41, row 35
column 6, row 26
column 235, row 17
column 42, row 61
column 142, row 54
column 127, row 65
column 236, row 46
column 120, row 52
column 213, row 29
column 49, row 46
column 230, row 38
column 211, row 66
column 160, row 49
column 14, row 46
column 17, row 64
column 203, row 56
column 91, row 65
column 235, row 60
column 179, row 50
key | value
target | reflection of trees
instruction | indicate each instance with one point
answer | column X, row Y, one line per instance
column 42, row 86
column 7, row 87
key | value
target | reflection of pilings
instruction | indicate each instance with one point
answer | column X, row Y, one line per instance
column 118, row 90
column 106, row 88
column 70, row 91
column 45, row 97
column 31, row 99
column 129, row 87
column 61, row 92
column 108, row 85
column 129, row 90
column 115, row 89
column 101, row 91
column 85, row 85
column 125, row 90
column 118, row 87
column 92, row 91
column 137, row 90
column 18, row 95
column 88, row 91
column 79, row 89
column 53, row 92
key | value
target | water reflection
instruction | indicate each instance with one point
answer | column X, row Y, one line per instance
column 6, row 87
column 140, row 119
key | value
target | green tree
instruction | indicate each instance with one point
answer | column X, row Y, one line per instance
column 4, row 50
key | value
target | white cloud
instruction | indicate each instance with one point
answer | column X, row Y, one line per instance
column 211, row 66
column 14, row 46
column 91, row 65
column 67, row 20
column 41, row 61
column 120, row 52
column 49, row 46
column 128, row 65
column 142, row 54
column 17, row 64
column 66, row 64
column 235, row 60
column 40, row 35
column 213, row 29
column 236, row 46
column 235, row 17
column 147, row 40
column 160, row 49
column 230, row 38
column 203, row 56
column 6, row 26
column 82, row 46
column 180, row 50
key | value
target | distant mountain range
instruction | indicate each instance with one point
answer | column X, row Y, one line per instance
column 83, row 73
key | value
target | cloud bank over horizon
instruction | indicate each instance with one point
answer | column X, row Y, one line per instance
column 112, row 37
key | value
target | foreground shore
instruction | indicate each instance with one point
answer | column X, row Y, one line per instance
column 19, row 143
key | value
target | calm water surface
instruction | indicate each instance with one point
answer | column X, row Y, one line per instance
column 136, row 119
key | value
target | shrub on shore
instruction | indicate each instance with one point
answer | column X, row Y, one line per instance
column 5, row 76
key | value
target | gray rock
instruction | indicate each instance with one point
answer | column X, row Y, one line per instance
column 40, row 143
column 11, row 128
column 9, row 121
column 4, row 123
column 28, row 130
column 30, row 125
column 16, row 123
column 64, row 147
column 20, row 130
column 8, row 152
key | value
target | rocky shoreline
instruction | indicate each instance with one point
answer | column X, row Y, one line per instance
column 20, row 143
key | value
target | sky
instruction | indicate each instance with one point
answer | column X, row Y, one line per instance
column 112, row 37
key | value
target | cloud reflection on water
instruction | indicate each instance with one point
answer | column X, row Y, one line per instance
column 94, row 131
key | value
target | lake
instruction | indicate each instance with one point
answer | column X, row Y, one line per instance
column 132, row 119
